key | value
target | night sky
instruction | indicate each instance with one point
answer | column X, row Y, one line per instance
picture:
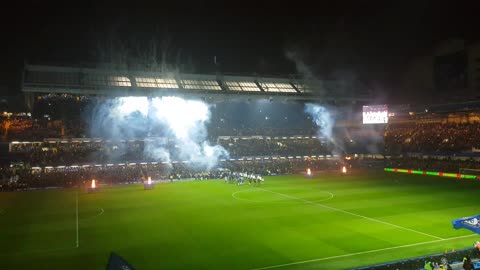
column 372, row 42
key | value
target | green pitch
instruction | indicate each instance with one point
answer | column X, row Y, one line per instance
column 328, row 222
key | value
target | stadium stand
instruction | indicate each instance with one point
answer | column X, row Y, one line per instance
column 432, row 137
column 22, row 178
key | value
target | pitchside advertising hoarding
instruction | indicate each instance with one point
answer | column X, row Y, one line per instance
column 375, row 114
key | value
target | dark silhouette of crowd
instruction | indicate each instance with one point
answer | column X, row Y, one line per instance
column 98, row 151
column 451, row 165
column 283, row 146
column 22, row 178
column 432, row 137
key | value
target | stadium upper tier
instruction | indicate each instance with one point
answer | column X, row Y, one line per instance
column 88, row 81
column 100, row 151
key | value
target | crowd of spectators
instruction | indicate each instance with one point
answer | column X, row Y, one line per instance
column 98, row 151
column 450, row 165
column 431, row 137
column 14, row 178
column 286, row 146
column 54, row 153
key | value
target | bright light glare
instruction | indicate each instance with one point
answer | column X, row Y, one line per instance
column 181, row 115
column 309, row 172
column 93, row 183
column 149, row 181
column 344, row 169
column 128, row 105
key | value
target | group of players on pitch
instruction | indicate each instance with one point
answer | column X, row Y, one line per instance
column 242, row 177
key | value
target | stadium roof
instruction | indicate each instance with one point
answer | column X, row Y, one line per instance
column 88, row 81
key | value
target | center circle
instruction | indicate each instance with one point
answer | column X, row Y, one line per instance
column 282, row 195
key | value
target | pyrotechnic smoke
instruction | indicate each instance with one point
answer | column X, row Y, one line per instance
column 300, row 65
column 360, row 137
column 322, row 118
column 186, row 122
column 120, row 118
column 181, row 124
column 325, row 122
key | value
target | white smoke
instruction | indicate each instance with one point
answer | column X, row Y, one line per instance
column 180, row 123
column 186, row 119
column 300, row 65
column 322, row 117
column 186, row 122
column 325, row 121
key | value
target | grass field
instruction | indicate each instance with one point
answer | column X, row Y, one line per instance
column 328, row 222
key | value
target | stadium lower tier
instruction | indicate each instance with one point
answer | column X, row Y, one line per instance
column 25, row 178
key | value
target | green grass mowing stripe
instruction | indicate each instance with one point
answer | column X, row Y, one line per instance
column 76, row 203
column 206, row 220
column 362, row 252
column 353, row 214
column 35, row 251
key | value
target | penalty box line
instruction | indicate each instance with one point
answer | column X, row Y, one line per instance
column 363, row 252
column 353, row 214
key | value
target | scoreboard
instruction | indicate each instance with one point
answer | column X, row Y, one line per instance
column 375, row 114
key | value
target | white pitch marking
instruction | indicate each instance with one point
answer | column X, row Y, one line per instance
column 363, row 252
column 326, row 199
column 99, row 214
column 353, row 214
column 234, row 195
column 78, row 244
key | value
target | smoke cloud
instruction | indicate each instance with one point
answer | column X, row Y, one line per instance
column 322, row 117
column 178, row 124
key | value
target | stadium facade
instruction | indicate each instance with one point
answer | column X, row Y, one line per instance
column 39, row 79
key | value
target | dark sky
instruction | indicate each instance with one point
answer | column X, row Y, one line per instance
column 372, row 40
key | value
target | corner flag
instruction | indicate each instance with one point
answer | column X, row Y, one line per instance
column 470, row 223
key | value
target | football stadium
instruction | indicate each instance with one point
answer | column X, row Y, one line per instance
column 350, row 157
column 161, row 182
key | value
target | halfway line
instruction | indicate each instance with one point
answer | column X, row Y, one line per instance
column 350, row 213
column 363, row 252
